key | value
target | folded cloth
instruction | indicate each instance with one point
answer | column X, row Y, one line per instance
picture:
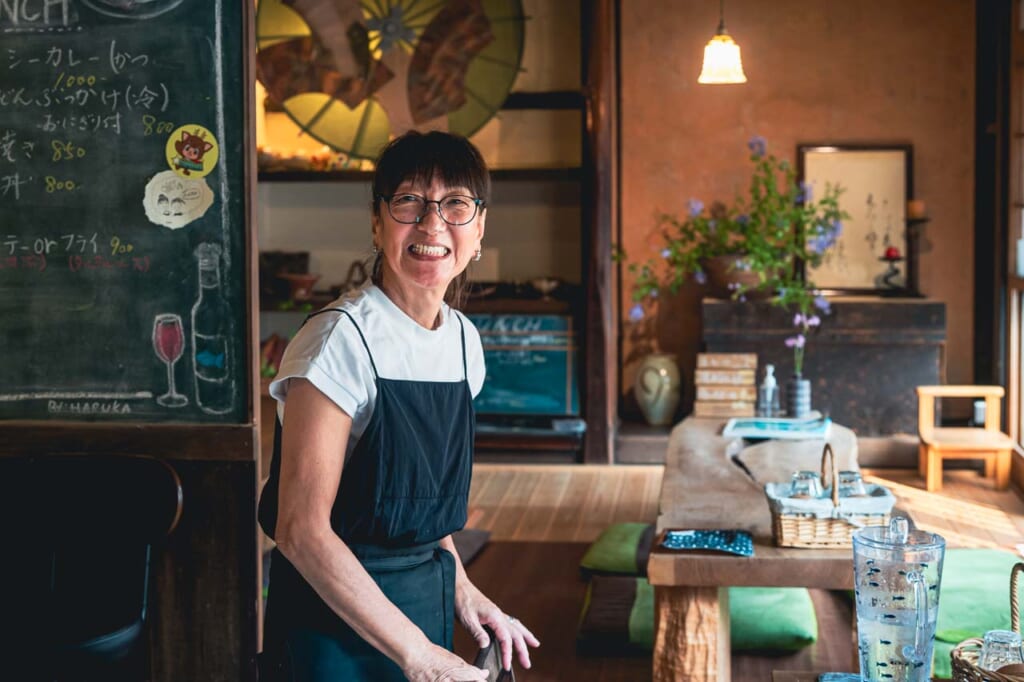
column 729, row 541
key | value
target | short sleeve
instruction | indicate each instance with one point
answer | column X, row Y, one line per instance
column 328, row 352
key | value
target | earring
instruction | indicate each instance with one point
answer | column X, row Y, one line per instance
column 374, row 250
column 478, row 254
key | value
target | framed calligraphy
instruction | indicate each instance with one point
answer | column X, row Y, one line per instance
column 874, row 253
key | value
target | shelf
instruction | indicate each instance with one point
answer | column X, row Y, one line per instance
column 561, row 99
column 572, row 174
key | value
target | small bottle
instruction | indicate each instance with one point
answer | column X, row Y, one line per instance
column 768, row 394
column 211, row 321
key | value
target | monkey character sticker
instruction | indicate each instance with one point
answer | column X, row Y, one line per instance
column 192, row 151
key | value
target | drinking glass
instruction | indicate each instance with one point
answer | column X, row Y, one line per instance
column 806, row 484
column 168, row 343
column 851, row 484
column 999, row 648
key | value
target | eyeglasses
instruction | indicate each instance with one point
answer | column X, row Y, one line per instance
column 457, row 209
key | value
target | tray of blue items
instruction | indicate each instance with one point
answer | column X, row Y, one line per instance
column 829, row 520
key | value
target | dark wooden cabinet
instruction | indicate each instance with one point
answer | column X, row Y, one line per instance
column 863, row 362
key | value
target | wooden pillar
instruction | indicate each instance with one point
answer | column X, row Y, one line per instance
column 692, row 642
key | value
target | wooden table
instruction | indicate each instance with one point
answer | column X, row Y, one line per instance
column 691, row 604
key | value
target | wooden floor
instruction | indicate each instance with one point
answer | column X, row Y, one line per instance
column 572, row 503
column 542, row 517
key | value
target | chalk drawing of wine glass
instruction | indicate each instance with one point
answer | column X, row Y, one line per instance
column 169, row 342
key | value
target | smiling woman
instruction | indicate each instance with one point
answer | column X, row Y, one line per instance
column 376, row 391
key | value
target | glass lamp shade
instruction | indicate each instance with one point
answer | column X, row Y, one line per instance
column 722, row 62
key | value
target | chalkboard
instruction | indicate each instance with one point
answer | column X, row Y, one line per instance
column 123, row 274
column 531, row 364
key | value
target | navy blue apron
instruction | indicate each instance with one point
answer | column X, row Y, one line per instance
column 405, row 486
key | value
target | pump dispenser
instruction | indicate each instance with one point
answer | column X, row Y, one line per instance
column 768, row 394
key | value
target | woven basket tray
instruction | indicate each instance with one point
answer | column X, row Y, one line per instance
column 965, row 654
column 825, row 522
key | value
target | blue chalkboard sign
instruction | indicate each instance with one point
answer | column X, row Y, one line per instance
column 531, row 365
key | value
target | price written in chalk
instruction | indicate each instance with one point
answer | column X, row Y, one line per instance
column 65, row 150
column 66, row 82
column 59, row 185
column 117, row 247
column 151, row 125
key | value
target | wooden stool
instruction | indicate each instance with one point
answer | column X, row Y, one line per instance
column 938, row 443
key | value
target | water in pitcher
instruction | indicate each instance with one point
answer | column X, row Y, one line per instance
column 881, row 641
column 897, row 574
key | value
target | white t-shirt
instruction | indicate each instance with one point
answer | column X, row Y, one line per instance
column 328, row 352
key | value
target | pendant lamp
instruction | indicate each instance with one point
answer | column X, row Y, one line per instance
column 722, row 62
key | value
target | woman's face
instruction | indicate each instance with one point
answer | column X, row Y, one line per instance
column 431, row 253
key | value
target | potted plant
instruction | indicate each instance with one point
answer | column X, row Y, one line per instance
column 754, row 246
column 763, row 245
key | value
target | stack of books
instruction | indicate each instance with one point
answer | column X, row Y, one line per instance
column 726, row 385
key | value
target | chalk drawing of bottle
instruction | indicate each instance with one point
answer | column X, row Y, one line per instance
column 211, row 321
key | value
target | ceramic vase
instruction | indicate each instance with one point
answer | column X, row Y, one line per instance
column 798, row 396
column 657, row 388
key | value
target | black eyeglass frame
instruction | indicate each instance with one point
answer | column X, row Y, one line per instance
column 477, row 205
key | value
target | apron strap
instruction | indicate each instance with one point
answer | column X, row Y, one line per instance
column 360, row 332
column 462, row 333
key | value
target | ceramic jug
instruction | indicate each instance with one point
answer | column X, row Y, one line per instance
column 897, row 571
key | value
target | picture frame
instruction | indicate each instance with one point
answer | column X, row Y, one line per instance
column 875, row 253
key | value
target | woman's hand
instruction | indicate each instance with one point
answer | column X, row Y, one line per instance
column 475, row 610
column 437, row 664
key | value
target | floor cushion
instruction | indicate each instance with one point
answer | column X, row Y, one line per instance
column 618, row 617
column 622, row 549
column 618, row 610
column 974, row 597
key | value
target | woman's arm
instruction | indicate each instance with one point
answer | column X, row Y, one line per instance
column 475, row 610
column 315, row 433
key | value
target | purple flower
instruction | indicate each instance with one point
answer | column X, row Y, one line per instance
column 653, row 293
column 701, row 277
column 798, row 320
column 837, row 229
column 742, row 299
column 805, row 193
column 636, row 313
column 665, row 253
column 696, row 206
column 757, row 146
column 797, row 341
column 813, row 321
column 822, row 304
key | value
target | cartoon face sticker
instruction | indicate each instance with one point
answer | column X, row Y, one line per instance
column 192, row 151
column 174, row 202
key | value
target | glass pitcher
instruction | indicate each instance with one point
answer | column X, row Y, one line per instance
column 897, row 573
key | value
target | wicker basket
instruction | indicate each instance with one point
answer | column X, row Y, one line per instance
column 826, row 522
column 965, row 654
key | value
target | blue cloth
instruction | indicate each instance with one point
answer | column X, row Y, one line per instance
column 405, row 486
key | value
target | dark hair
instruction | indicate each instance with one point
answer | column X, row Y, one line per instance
column 422, row 157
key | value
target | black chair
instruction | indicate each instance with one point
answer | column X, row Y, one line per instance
column 77, row 536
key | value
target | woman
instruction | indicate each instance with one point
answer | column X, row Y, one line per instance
column 373, row 446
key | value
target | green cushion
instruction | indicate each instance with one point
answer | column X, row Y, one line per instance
column 792, row 624
column 975, row 593
column 618, row 616
column 974, row 598
column 618, row 611
column 622, row 548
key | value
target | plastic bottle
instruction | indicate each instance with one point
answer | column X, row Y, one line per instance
column 768, row 394
column 210, row 335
